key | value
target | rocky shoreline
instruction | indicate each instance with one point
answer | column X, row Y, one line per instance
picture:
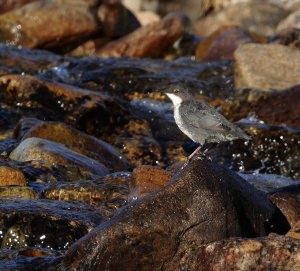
column 93, row 169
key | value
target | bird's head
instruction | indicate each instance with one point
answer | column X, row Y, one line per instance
column 177, row 94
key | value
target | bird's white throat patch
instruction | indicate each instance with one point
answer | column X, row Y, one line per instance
column 174, row 98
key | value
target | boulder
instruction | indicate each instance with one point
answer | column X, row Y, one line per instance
column 202, row 203
column 266, row 66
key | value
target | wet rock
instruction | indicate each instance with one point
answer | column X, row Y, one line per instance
column 137, row 143
column 82, row 108
column 266, row 67
column 272, row 150
column 13, row 4
column 18, row 60
column 117, row 21
column 11, row 176
column 44, row 223
column 30, row 259
column 18, row 192
column 221, row 44
column 203, row 203
column 146, row 180
column 93, row 192
column 55, row 153
column 259, row 17
column 268, row 253
column 279, row 107
column 74, row 139
column 48, row 24
column 287, row 200
column 147, row 41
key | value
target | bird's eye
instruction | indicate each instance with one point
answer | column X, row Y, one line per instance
column 176, row 90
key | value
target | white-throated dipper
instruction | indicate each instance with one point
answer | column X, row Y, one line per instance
column 200, row 122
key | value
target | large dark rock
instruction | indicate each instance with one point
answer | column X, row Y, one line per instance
column 202, row 204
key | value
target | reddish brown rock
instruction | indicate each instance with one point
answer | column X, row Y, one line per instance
column 221, row 44
column 117, row 21
column 74, row 139
column 203, row 203
column 11, row 176
column 146, row 180
column 48, row 24
column 273, row 253
column 280, row 107
column 147, row 41
column 8, row 5
column 287, row 200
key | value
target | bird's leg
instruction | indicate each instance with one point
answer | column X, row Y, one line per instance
column 202, row 151
column 197, row 151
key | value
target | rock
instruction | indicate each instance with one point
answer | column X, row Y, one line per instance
column 82, row 108
column 274, row 253
column 137, row 143
column 14, row 59
column 287, row 200
column 147, row 41
column 146, row 180
column 259, row 17
column 8, row 5
column 18, row 192
column 23, row 262
column 44, row 223
column 268, row 182
column 55, row 153
column 48, row 24
column 74, row 139
column 291, row 21
column 147, row 17
column 294, row 231
column 94, row 192
column 289, row 37
column 11, row 176
column 283, row 107
column 202, row 203
column 266, row 66
column 221, row 44
column 116, row 20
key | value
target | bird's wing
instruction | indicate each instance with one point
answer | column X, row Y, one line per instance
column 201, row 115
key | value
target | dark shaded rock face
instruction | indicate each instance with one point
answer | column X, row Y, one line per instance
column 202, row 204
column 44, row 223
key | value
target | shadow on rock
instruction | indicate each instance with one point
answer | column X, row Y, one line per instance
column 201, row 204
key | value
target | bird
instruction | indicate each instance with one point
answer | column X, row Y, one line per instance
column 199, row 121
